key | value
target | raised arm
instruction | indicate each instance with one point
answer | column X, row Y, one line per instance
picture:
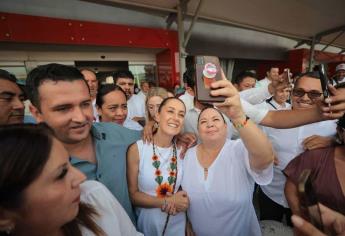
column 259, row 148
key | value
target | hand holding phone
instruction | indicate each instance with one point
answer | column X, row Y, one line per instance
column 208, row 70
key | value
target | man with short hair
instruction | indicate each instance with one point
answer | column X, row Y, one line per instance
column 92, row 81
column 289, row 143
column 271, row 75
column 11, row 99
column 61, row 98
column 244, row 80
column 136, row 105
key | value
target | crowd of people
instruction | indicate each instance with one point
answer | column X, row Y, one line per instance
column 100, row 159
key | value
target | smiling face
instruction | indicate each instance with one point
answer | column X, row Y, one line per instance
column 153, row 104
column 211, row 126
column 171, row 117
column 11, row 103
column 54, row 193
column 281, row 95
column 306, row 84
column 114, row 108
column 66, row 107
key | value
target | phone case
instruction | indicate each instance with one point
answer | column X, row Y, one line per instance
column 208, row 70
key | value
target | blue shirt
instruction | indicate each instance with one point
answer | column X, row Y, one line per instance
column 111, row 142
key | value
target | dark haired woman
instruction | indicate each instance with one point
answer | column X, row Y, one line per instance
column 154, row 174
column 41, row 193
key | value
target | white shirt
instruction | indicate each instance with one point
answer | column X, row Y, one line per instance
column 222, row 204
column 272, row 105
column 113, row 219
column 256, row 114
column 263, row 83
column 188, row 100
column 131, row 124
column 256, row 95
column 136, row 106
column 287, row 144
column 95, row 112
column 142, row 95
column 191, row 123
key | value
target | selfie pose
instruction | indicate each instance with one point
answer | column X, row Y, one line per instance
column 154, row 172
column 219, row 174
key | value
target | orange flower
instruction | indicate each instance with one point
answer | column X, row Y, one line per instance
column 154, row 157
column 173, row 159
column 172, row 173
column 158, row 172
column 163, row 189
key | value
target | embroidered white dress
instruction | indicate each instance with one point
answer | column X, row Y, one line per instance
column 222, row 204
column 151, row 220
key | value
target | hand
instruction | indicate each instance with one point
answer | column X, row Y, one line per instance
column 332, row 221
column 232, row 105
column 336, row 101
column 316, row 141
column 147, row 134
column 185, row 141
column 181, row 201
column 169, row 208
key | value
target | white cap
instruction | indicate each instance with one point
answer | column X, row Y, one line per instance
column 340, row 67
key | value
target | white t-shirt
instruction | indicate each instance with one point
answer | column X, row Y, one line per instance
column 113, row 219
column 222, row 204
column 131, row 124
column 136, row 106
column 287, row 144
column 188, row 100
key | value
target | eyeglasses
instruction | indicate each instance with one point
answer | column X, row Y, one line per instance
column 313, row 94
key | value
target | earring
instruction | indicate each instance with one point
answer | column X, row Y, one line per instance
column 156, row 125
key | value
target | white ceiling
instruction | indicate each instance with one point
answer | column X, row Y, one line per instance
column 296, row 19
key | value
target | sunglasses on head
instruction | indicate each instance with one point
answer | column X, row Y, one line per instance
column 313, row 94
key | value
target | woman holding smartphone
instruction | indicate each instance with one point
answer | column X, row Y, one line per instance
column 219, row 174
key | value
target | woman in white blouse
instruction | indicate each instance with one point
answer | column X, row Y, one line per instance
column 219, row 173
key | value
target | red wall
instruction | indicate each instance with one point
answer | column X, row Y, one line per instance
column 18, row 28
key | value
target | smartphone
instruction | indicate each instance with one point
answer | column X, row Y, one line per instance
column 208, row 70
column 308, row 200
column 324, row 80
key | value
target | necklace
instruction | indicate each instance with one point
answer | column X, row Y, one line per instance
column 169, row 185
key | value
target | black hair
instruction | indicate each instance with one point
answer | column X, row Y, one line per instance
column 104, row 90
column 166, row 100
column 211, row 107
column 312, row 74
column 53, row 72
column 5, row 75
column 189, row 77
column 25, row 150
column 239, row 78
column 123, row 74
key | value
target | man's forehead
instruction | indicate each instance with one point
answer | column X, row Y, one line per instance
column 125, row 79
column 309, row 81
column 9, row 86
column 53, row 88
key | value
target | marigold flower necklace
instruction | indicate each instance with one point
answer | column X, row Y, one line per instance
column 168, row 186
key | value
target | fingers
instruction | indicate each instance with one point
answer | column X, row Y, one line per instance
column 305, row 227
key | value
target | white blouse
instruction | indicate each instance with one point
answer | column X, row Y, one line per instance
column 113, row 219
column 222, row 204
